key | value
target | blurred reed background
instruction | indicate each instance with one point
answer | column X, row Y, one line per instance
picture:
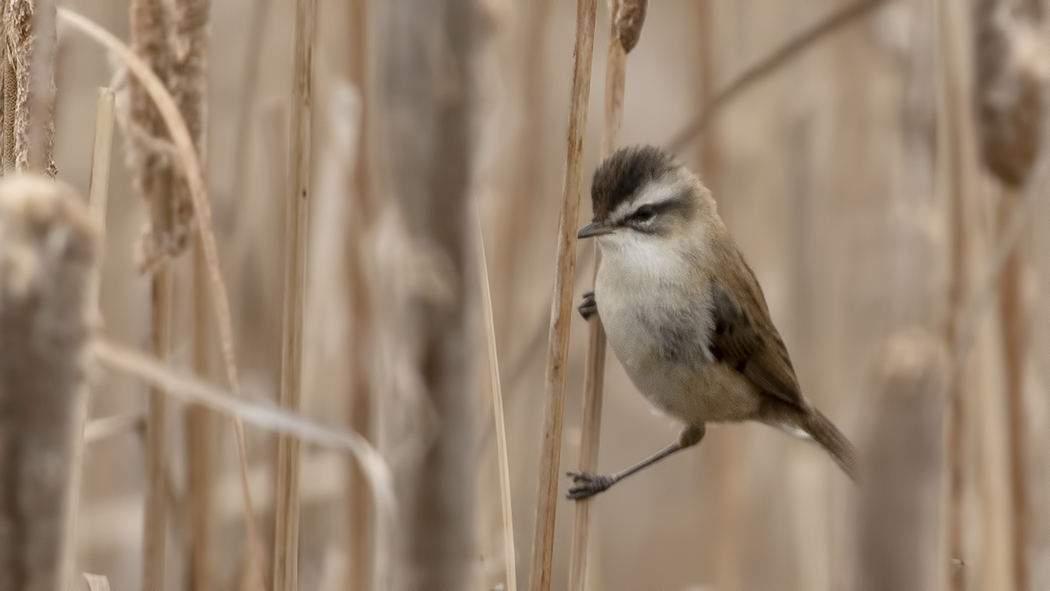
column 882, row 171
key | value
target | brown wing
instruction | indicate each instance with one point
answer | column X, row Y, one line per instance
column 749, row 343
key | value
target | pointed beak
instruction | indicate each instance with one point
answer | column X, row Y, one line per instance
column 594, row 229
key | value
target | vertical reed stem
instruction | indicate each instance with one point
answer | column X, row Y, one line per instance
column 1013, row 317
column 198, row 435
column 561, row 303
column 360, row 538
column 98, row 197
column 286, row 536
column 156, row 506
column 626, row 20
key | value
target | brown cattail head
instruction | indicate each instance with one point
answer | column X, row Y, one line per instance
column 47, row 253
column 17, row 73
column 172, row 38
column 1013, row 63
column 629, row 20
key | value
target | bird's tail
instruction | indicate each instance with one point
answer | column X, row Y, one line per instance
column 831, row 439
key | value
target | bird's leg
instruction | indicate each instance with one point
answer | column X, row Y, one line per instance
column 587, row 485
column 588, row 308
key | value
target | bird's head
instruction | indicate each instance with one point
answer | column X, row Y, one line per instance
column 644, row 200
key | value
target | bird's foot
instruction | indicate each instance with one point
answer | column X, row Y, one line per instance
column 589, row 307
column 587, row 485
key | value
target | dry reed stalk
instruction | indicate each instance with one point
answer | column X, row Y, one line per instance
column 154, row 177
column 626, row 20
column 199, row 437
column 429, row 160
column 561, row 303
column 192, row 390
column 497, row 411
column 1010, row 90
column 1037, row 185
column 957, row 149
column 951, row 159
column 48, row 250
column 172, row 37
column 188, row 80
column 297, row 234
column 996, row 549
column 1014, row 318
column 903, row 453
column 98, row 197
column 28, row 122
column 777, row 58
column 98, row 183
column 191, row 167
column 360, row 218
column 156, row 502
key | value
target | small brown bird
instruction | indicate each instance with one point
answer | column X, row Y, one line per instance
column 684, row 313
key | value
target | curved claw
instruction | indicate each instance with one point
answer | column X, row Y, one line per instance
column 587, row 485
column 589, row 307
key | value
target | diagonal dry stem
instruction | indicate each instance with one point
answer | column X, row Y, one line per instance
column 770, row 64
column 191, row 389
column 191, row 167
column 497, row 410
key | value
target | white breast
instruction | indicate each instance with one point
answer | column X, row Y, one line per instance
column 658, row 327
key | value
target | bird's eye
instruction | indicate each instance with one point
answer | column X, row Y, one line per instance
column 644, row 213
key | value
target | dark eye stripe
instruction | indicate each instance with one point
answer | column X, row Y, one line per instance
column 677, row 203
column 654, row 218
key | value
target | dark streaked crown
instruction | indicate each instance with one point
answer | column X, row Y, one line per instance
column 620, row 177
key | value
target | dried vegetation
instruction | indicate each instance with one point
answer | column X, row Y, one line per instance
column 321, row 375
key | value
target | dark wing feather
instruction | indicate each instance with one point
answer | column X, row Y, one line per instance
column 749, row 343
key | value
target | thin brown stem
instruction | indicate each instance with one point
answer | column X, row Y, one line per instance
column 156, row 510
column 154, row 179
column 198, row 436
column 949, row 121
column 286, row 536
column 1014, row 319
column 360, row 216
column 626, row 19
column 561, row 303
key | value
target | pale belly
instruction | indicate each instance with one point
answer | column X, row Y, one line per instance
column 666, row 356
